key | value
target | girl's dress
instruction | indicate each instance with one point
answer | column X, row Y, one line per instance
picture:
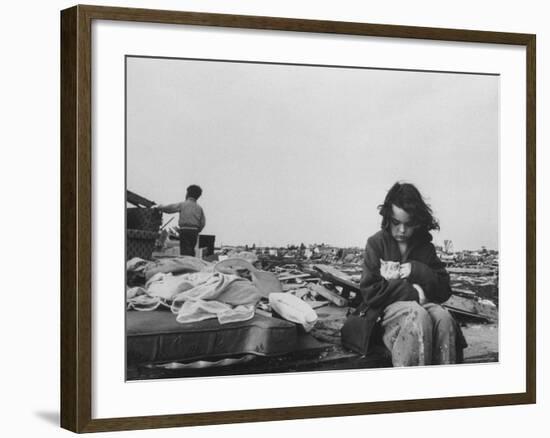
column 414, row 334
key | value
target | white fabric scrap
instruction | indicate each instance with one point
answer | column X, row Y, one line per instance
column 136, row 264
column 293, row 309
column 167, row 286
column 192, row 311
column 143, row 303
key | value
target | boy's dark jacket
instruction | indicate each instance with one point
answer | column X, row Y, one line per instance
column 426, row 270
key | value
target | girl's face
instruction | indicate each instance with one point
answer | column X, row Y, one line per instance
column 401, row 225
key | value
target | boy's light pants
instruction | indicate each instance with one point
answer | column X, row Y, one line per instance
column 419, row 334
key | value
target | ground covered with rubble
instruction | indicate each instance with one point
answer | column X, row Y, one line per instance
column 324, row 281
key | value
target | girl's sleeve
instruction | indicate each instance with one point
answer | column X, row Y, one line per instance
column 375, row 290
column 432, row 277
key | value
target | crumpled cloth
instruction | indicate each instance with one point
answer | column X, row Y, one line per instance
column 137, row 299
column 243, row 255
column 135, row 271
column 266, row 282
column 293, row 309
column 202, row 295
column 233, row 266
column 136, row 264
column 177, row 265
column 192, row 311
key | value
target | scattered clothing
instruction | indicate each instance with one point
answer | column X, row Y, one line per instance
column 135, row 271
column 136, row 264
column 266, row 282
column 234, row 266
column 293, row 309
column 143, row 303
column 176, row 265
column 193, row 311
column 229, row 289
column 132, row 292
column 200, row 295
column 244, row 255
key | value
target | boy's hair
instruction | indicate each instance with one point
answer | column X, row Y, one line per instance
column 194, row 191
column 407, row 197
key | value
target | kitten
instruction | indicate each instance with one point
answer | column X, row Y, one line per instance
column 389, row 270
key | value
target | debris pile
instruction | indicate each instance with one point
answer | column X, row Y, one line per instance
column 323, row 276
column 475, row 284
column 313, row 286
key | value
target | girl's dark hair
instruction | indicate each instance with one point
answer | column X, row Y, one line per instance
column 407, row 197
column 194, row 191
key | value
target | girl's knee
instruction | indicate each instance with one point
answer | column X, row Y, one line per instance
column 442, row 318
column 419, row 321
column 409, row 318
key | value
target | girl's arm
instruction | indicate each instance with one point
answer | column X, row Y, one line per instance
column 432, row 276
column 375, row 290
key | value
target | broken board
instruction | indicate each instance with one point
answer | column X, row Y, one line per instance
column 475, row 308
column 329, row 295
column 338, row 278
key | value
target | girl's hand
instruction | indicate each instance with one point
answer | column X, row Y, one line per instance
column 405, row 270
column 421, row 295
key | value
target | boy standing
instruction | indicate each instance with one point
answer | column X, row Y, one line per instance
column 191, row 219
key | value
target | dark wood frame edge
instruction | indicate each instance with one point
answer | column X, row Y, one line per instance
column 69, row 388
column 76, row 165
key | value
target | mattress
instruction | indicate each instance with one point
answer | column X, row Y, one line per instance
column 156, row 337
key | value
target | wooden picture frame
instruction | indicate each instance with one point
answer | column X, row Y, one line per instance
column 76, row 217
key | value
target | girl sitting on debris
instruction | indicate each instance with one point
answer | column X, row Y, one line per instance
column 405, row 303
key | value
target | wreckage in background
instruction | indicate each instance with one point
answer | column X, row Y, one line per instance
column 304, row 295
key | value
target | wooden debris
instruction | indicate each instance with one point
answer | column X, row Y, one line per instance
column 300, row 293
column 329, row 295
column 292, row 277
column 478, row 271
column 463, row 292
column 263, row 313
column 137, row 200
column 292, row 286
column 317, row 304
column 475, row 308
column 338, row 278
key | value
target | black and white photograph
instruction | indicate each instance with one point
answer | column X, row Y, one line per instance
column 285, row 218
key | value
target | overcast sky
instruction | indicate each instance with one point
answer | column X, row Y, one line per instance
column 291, row 154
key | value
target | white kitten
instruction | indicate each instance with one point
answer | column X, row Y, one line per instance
column 389, row 270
